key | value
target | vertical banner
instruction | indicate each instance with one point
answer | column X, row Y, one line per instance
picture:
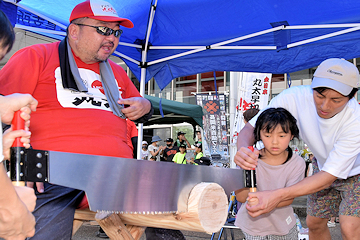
column 214, row 125
column 253, row 92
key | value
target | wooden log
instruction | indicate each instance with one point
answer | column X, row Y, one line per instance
column 80, row 217
column 207, row 212
column 113, row 226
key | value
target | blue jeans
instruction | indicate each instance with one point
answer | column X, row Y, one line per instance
column 54, row 212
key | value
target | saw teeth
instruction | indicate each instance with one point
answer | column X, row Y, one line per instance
column 117, row 212
column 121, row 212
column 143, row 213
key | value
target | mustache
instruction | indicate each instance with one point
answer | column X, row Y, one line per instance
column 108, row 43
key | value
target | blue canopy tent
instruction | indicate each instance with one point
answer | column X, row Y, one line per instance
column 174, row 38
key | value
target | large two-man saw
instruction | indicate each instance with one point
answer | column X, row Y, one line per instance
column 119, row 184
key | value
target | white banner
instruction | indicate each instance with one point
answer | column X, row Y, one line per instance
column 253, row 92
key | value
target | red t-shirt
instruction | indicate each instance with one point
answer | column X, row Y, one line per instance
column 65, row 120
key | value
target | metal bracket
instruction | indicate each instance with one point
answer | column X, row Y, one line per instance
column 249, row 179
column 29, row 165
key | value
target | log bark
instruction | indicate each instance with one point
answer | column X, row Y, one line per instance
column 207, row 212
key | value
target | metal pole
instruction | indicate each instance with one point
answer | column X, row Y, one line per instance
column 140, row 125
column 143, row 76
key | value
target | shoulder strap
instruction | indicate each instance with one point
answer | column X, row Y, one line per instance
column 184, row 159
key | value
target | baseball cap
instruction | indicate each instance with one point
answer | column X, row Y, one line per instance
column 182, row 146
column 337, row 74
column 144, row 142
column 99, row 10
column 179, row 133
column 169, row 140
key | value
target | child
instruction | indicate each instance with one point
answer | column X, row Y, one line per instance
column 198, row 154
column 179, row 157
column 277, row 168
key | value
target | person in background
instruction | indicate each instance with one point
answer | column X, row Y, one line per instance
column 181, row 139
column 170, row 150
column 16, row 203
column 81, row 98
column 179, row 157
column 154, row 149
column 310, row 166
column 249, row 114
column 198, row 137
column 144, row 150
column 277, row 167
column 198, row 153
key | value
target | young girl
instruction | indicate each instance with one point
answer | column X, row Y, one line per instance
column 277, row 168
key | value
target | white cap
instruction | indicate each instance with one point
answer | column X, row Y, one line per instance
column 337, row 74
column 144, row 142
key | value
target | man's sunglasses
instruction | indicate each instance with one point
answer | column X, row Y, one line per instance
column 104, row 30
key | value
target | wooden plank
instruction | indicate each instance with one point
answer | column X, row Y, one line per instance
column 113, row 226
column 136, row 231
column 84, row 215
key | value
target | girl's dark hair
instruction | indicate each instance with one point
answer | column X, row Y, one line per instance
column 7, row 34
column 350, row 96
column 270, row 118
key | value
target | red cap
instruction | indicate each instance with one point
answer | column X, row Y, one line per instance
column 99, row 10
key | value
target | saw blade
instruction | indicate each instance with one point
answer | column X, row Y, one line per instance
column 135, row 186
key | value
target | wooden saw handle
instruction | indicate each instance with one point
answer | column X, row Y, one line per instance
column 17, row 149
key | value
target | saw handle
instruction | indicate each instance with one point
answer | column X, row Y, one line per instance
column 252, row 175
column 18, row 123
column 17, row 150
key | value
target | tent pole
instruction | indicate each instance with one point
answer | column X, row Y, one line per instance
column 140, row 125
column 143, row 75
column 232, row 106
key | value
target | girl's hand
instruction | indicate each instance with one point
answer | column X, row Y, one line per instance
column 253, row 201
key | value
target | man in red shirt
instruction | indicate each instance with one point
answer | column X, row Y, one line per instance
column 80, row 94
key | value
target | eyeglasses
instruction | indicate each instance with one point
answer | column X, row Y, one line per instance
column 105, row 31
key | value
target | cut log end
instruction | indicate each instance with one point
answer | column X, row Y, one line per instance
column 207, row 212
column 211, row 206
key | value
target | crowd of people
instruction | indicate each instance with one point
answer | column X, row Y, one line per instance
column 173, row 152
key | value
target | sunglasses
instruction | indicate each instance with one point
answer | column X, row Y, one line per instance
column 105, row 31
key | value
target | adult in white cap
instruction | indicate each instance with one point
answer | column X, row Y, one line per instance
column 328, row 117
column 81, row 96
